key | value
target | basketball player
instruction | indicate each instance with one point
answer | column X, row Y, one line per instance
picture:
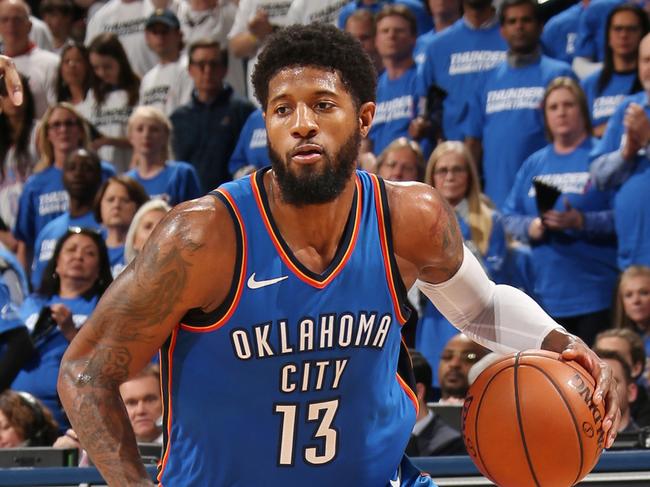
column 278, row 299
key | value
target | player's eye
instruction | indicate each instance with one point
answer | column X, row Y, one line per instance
column 324, row 105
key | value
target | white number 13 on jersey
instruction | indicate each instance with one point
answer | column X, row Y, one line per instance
column 321, row 413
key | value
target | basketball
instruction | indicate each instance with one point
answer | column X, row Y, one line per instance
column 528, row 420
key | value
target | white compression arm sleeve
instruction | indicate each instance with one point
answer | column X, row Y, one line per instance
column 499, row 317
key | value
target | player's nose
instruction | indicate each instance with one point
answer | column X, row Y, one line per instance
column 304, row 122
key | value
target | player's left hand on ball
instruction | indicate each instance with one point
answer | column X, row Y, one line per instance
column 10, row 80
column 605, row 390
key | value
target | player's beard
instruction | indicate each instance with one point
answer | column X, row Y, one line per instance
column 310, row 185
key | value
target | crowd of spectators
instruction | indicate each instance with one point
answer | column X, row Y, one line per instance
column 134, row 106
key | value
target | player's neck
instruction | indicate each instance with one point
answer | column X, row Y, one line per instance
column 312, row 232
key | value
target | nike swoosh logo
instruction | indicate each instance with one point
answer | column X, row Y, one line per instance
column 253, row 284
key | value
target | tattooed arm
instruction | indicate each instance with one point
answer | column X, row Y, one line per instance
column 178, row 269
column 427, row 241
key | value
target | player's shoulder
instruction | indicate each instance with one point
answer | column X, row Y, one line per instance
column 203, row 223
column 413, row 202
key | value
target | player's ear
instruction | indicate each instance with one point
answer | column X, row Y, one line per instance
column 366, row 114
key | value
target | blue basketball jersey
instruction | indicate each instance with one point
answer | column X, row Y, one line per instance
column 294, row 379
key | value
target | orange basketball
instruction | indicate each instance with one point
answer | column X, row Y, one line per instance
column 528, row 420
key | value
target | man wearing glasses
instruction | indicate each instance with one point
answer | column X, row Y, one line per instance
column 215, row 109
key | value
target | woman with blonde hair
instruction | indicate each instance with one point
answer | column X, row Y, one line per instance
column 571, row 234
column 632, row 308
column 143, row 223
column 149, row 132
column 452, row 171
column 62, row 131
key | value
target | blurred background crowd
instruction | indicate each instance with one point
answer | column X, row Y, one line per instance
column 531, row 120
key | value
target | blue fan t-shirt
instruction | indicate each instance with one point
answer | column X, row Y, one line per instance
column 396, row 107
column 251, row 148
column 602, row 105
column 456, row 58
column 43, row 199
column 50, row 235
column 509, row 103
column 560, row 32
column 176, row 183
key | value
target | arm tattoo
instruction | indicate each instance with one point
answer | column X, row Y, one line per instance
column 161, row 276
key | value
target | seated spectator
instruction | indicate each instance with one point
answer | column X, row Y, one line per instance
column 143, row 223
column 74, row 76
column 114, row 94
column 59, row 15
column 216, row 109
column 149, row 131
column 431, row 435
column 452, row 171
column 401, row 160
column 167, row 85
column 607, row 87
column 573, row 248
column 626, row 388
column 116, row 203
column 251, row 152
column 633, row 304
column 630, row 346
column 38, row 65
column 620, row 162
column 15, row 344
column 361, row 25
column 25, row 421
column 62, row 130
column 143, row 402
column 74, row 279
column 141, row 396
column 81, row 180
column 457, row 358
column 17, row 157
column 397, row 103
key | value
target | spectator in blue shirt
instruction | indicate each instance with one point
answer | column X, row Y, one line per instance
column 205, row 131
column 573, row 244
column 560, row 32
column 62, row 130
column 607, row 87
column 81, row 180
column 251, row 151
column 402, row 160
column 148, row 131
column 621, row 163
column 396, row 90
column 116, row 203
column 507, row 104
column 74, row 279
column 444, row 13
column 455, row 60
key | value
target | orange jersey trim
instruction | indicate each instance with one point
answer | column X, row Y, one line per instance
column 287, row 260
column 167, row 408
column 240, row 277
column 409, row 392
column 384, row 250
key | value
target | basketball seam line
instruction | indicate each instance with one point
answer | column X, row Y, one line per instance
column 573, row 417
column 520, row 422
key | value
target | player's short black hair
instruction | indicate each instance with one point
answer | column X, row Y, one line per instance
column 321, row 46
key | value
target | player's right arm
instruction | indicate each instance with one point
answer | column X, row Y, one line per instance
column 187, row 263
